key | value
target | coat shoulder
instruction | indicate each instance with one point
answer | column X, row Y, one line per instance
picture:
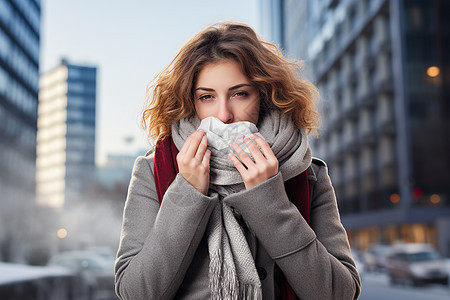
column 318, row 162
column 314, row 168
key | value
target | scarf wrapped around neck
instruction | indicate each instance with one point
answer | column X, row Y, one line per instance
column 287, row 141
column 232, row 270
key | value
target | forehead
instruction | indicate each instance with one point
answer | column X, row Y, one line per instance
column 226, row 72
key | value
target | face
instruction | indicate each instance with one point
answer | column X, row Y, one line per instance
column 224, row 92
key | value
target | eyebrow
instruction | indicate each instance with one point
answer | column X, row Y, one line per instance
column 235, row 87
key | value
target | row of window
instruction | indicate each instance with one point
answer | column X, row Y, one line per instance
column 80, row 87
column 54, row 126
column 18, row 95
column 56, row 92
column 49, row 120
column 51, row 141
column 81, row 143
column 44, row 161
column 50, row 153
column 51, row 106
column 54, row 78
column 82, row 73
column 51, row 146
column 350, row 142
column 18, row 61
column 50, row 172
column 51, row 132
column 9, row 15
column 26, row 38
column 365, row 165
column 368, row 116
column 20, row 30
column 31, row 12
column 81, row 102
column 78, row 115
column 75, row 91
column 367, row 44
column 357, row 60
column 80, row 129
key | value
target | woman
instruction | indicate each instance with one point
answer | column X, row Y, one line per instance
column 255, row 218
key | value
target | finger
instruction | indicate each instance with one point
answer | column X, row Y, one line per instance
column 245, row 159
column 237, row 163
column 185, row 145
column 206, row 158
column 195, row 138
column 201, row 149
column 254, row 150
column 265, row 148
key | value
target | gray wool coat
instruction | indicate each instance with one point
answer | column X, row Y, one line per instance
column 163, row 253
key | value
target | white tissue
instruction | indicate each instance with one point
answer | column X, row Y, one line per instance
column 221, row 135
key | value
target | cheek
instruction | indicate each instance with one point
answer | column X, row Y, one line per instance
column 203, row 111
column 250, row 111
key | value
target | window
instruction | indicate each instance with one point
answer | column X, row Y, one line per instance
column 5, row 45
column 3, row 81
column 5, row 12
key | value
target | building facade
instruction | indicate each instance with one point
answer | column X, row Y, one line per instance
column 270, row 21
column 382, row 68
column 19, row 84
column 66, row 134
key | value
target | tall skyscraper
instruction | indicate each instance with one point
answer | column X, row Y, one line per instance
column 19, row 84
column 382, row 70
column 271, row 21
column 66, row 134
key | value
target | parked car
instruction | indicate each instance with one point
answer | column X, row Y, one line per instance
column 375, row 258
column 95, row 271
column 416, row 264
column 107, row 253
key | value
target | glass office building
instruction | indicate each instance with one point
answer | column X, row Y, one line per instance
column 66, row 134
column 19, row 84
column 382, row 68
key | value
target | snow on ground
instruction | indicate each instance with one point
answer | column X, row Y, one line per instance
column 16, row 272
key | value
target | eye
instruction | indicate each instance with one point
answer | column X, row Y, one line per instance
column 241, row 94
column 205, row 97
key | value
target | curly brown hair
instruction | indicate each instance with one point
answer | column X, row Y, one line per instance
column 279, row 81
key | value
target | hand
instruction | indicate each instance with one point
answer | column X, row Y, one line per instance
column 255, row 172
column 193, row 161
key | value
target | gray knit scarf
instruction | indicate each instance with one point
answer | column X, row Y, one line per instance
column 232, row 270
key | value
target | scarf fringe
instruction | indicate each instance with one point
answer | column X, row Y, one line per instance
column 230, row 284
column 215, row 267
column 224, row 284
column 250, row 291
column 223, row 281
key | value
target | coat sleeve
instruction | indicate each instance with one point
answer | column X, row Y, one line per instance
column 316, row 259
column 157, row 244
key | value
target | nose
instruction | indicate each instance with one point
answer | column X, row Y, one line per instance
column 224, row 114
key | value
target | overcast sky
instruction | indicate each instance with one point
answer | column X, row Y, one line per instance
column 129, row 41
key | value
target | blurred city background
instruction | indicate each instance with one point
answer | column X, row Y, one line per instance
column 73, row 78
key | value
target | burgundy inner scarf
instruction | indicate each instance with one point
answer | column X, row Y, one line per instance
column 166, row 168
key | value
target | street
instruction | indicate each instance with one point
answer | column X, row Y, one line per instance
column 376, row 286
